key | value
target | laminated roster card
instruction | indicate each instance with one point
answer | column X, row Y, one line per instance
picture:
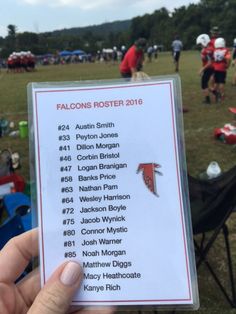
column 112, row 191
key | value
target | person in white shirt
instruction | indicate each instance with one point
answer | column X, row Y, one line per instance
column 177, row 46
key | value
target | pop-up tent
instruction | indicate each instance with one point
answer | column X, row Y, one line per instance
column 107, row 50
column 65, row 53
column 78, row 52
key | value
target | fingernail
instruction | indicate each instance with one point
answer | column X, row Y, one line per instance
column 71, row 274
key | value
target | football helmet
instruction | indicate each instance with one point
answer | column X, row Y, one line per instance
column 203, row 39
column 219, row 43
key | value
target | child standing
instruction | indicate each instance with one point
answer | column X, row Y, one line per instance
column 222, row 59
column 207, row 69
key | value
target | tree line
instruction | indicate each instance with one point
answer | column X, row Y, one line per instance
column 160, row 27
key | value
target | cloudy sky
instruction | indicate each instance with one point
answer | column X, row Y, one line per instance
column 46, row 15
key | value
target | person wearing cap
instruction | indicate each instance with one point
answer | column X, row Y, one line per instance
column 214, row 34
column 133, row 59
column 177, row 46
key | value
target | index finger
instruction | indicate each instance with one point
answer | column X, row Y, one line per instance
column 16, row 255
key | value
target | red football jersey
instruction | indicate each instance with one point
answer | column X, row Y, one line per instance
column 221, row 56
column 207, row 54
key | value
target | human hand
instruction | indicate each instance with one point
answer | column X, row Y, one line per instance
column 200, row 72
column 26, row 297
column 140, row 76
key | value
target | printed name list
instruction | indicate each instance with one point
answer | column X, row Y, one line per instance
column 107, row 184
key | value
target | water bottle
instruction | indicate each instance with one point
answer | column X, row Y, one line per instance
column 213, row 170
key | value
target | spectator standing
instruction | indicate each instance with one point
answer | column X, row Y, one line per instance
column 222, row 59
column 177, row 46
column 98, row 56
column 114, row 55
column 155, row 50
column 123, row 51
column 133, row 59
column 149, row 53
column 207, row 69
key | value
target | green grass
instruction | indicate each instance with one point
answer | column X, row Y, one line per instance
column 199, row 123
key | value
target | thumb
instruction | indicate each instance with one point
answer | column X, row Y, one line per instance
column 57, row 294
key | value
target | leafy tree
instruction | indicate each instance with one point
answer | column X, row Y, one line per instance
column 158, row 28
column 27, row 41
column 161, row 31
column 10, row 42
column 11, row 30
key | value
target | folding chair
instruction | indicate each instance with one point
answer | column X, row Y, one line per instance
column 14, row 200
column 10, row 228
column 212, row 202
column 18, row 208
column 19, row 203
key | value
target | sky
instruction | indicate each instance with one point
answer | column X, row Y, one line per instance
column 40, row 16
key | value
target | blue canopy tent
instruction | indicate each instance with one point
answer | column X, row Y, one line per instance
column 78, row 52
column 65, row 53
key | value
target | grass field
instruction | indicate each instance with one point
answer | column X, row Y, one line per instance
column 199, row 123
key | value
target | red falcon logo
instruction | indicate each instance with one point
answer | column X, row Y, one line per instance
column 149, row 170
